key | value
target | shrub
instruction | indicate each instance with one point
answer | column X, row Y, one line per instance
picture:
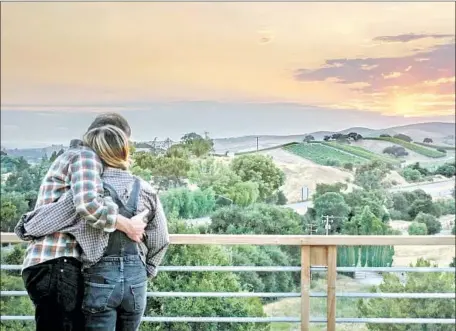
column 348, row 166
column 333, row 163
column 411, row 175
column 441, row 150
column 432, row 224
column 397, row 215
column 447, row 206
column 384, row 135
column 424, row 206
column 403, row 137
column 448, row 170
column 281, row 199
column 417, row 229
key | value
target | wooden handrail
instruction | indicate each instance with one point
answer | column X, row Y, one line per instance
column 292, row 240
column 315, row 251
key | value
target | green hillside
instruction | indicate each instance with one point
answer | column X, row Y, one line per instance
column 432, row 153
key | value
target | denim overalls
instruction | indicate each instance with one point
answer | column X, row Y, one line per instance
column 115, row 287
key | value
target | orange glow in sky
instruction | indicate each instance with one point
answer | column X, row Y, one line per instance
column 392, row 58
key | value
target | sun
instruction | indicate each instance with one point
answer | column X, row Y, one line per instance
column 404, row 105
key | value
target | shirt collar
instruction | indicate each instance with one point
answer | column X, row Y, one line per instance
column 114, row 172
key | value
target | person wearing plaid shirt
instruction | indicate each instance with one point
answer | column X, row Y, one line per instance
column 115, row 267
column 52, row 266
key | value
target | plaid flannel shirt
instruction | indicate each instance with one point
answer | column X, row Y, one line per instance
column 76, row 172
column 62, row 216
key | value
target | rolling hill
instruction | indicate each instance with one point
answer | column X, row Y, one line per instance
column 441, row 133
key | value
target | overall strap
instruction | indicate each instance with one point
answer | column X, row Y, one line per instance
column 113, row 194
column 132, row 203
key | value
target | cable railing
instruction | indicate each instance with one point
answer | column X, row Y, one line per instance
column 318, row 253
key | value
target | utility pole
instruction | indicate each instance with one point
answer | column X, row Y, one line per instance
column 257, row 138
column 328, row 220
column 310, row 228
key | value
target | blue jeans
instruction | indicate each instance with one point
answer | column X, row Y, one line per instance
column 115, row 294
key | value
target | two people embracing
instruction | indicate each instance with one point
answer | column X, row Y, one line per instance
column 96, row 235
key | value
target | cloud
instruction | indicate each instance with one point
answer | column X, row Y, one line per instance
column 387, row 72
column 413, row 84
column 407, row 37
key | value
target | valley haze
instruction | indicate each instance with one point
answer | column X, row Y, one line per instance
column 276, row 122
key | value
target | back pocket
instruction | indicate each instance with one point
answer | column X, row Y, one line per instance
column 96, row 296
column 139, row 292
column 37, row 281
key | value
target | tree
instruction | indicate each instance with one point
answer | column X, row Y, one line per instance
column 403, row 137
column 396, row 151
column 453, row 230
column 259, row 169
column 355, row 136
column 179, row 151
column 196, row 144
column 243, row 193
column 417, row 229
column 424, row 206
column 14, row 306
column 366, row 223
column 448, row 170
column 432, row 224
column 428, row 141
column 417, row 166
column 429, row 282
column 327, row 138
column 332, row 204
column 200, row 282
column 53, row 156
column 226, row 184
column 400, row 202
column 190, row 138
column 168, row 170
column 8, row 216
column 411, row 175
column 308, row 138
column 377, row 201
column 256, row 219
column 385, row 135
column 22, row 164
column 188, row 204
column 281, row 199
column 260, row 219
column 322, row 188
column 370, row 176
column 348, row 166
column 263, row 256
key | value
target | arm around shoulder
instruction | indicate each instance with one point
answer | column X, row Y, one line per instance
column 87, row 187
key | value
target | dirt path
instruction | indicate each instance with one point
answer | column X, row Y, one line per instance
column 302, row 172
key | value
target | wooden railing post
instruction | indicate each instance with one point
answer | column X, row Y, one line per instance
column 305, row 288
column 331, row 283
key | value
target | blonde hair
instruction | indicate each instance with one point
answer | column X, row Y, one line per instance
column 111, row 145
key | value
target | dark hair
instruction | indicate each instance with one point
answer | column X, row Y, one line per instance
column 111, row 119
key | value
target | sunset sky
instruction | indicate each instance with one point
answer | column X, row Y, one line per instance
column 394, row 59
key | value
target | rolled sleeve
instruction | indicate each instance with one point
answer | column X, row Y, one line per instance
column 87, row 187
